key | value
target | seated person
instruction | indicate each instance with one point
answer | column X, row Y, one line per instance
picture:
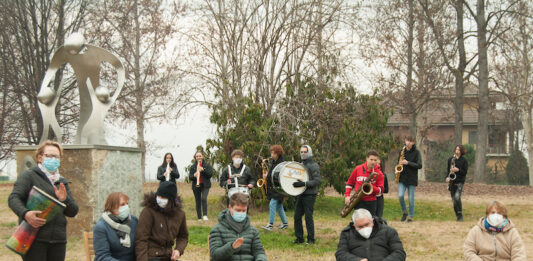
column 233, row 237
column 366, row 233
column 114, row 233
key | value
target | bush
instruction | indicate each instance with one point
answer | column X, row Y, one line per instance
column 517, row 170
column 437, row 160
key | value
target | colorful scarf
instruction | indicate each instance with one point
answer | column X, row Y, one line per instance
column 53, row 177
column 490, row 228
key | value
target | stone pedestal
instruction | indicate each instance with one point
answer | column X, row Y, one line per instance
column 94, row 171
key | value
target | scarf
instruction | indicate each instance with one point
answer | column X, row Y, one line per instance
column 238, row 227
column 490, row 228
column 122, row 228
column 53, row 177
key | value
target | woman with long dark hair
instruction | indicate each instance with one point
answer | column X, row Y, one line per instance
column 162, row 224
column 168, row 171
column 200, row 175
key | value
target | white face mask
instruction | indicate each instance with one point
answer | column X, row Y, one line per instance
column 162, row 202
column 237, row 161
column 365, row 232
column 495, row 220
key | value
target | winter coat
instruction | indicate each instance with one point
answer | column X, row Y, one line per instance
column 245, row 179
column 409, row 175
column 358, row 176
column 314, row 177
column 383, row 244
column 271, row 192
column 174, row 173
column 223, row 234
column 462, row 165
column 483, row 245
column 157, row 230
column 55, row 230
column 107, row 245
column 206, row 174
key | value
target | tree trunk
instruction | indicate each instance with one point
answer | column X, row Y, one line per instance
column 459, row 73
column 483, row 92
column 409, row 84
column 527, row 122
column 139, row 111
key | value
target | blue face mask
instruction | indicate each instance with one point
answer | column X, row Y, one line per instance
column 239, row 216
column 123, row 212
column 51, row 164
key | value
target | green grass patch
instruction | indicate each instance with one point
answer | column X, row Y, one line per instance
column 9, row 224
column 198, row 235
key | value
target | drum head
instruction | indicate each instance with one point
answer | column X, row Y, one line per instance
column 285, row 174
column 243, row 190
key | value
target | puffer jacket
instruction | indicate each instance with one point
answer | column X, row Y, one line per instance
column 55, row 230
column 483, row 245
column 314, row 177
column 223, row 235
column 157, row 231
column 409, row 175
column 383, row 244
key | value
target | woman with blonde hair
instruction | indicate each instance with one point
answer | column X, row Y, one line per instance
column 494, row 237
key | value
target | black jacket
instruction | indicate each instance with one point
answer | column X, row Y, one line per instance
column 174, row 173
column 55, row 230
column 462, row 165
column 245, row 179
column 383, row 244
column 314, row 177
column 206, row 174
column 271, row 192
column 409, row 175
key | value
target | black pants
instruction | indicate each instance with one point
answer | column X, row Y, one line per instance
column 305, row 205
column 371, row 206
column 40, row 251
column 200, row 196
column 380, row 206
column 455, row 192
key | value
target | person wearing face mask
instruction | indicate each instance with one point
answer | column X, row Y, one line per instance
column 411, row 163
column 162, row 224
column 233, row 237
column 51, row 240
column 494, row 237
column 359, row 175
column 168, row 171
column 114, row 233
column 369, row 239
column 305, row 202
column 200, row 174
column 237, row 167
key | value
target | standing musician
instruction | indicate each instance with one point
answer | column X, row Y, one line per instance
column 359, row 175
column 411, row 163
column 275, row 198
column 459, row 168
column 237, row 168
column 168, row 171
column 200, row 175
column 305, row 202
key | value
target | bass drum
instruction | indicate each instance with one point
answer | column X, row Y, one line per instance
column 286, row 173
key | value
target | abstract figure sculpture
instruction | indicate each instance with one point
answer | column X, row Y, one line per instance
column 85, row 60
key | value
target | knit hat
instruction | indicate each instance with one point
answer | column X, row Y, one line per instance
column 167, row 189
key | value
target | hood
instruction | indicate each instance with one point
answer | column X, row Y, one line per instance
column 481, row 224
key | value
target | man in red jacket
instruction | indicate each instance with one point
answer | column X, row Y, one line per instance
column 359, row 175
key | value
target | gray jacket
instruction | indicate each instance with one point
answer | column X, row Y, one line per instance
column 314, row 176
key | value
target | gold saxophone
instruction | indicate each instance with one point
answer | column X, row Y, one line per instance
column 399, row 168
column 452, row 174
column 262, row 183
column 365, row 190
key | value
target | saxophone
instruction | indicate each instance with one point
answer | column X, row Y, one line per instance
column 399, row 168
column 262, row 183
column 364, row 190
column 452, row 174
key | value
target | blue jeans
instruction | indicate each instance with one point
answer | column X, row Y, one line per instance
column 276, row 206
column 401, row 192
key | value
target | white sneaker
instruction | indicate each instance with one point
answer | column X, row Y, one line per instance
column 205, row 218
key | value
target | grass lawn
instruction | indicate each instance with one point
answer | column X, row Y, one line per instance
column 435, row 235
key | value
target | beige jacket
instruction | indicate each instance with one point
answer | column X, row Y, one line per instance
column 481, row 244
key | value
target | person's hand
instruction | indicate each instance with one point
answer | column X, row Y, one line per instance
column 32, row 218
column 175, row 255
column 298, row 184
column 455, row 169
column 265, row 175
column 364, row 259
column 200, row 169
column 448, row 180
column 196, row 175
column 346, row 201
column 404, row 162
column 229, row 181
column 61, row 193
column 237, row 243
column 250, row 186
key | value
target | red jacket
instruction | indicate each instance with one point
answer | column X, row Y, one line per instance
column 358, row 176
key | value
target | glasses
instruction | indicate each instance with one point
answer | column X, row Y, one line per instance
column 52, row 156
